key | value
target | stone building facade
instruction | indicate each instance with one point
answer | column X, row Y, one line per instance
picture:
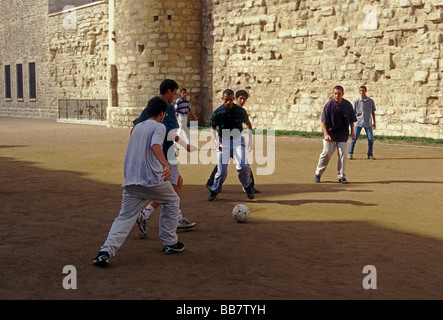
column 288, row 54
column 68, row 49
column 154, row 40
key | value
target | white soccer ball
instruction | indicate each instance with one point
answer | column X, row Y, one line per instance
column 240, row 212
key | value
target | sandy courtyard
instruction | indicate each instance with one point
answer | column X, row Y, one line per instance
column 61, row 189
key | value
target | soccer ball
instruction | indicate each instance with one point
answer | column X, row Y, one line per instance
column 240, row 212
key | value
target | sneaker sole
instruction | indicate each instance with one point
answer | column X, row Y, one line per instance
column 100, row 264
column 168, row 250
column 187, row 226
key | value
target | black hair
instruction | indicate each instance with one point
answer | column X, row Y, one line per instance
column 241, row 93
column 168, row 84
column 363, row 87
column 228, row 92
column 183, row 89
column 156, row 106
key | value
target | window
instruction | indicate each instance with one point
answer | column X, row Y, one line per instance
column 8, row 82
column 19, row 81
column 59, row 5
column 32, row 82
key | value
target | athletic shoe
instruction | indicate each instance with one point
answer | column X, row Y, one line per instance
column 175, row 248
column 185, row 224
column 350, row 156
column 101, row 260
column 212, row 196
column 343, row 180
column 317, row 178
column 371, row 157
column 249, row 192
column 255, row 190
column 142, row 223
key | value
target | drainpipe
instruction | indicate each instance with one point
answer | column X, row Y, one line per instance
column 112, row 68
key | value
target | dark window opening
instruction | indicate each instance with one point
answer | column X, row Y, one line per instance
column 8, row 82
column 19, row 72
column 32, row 82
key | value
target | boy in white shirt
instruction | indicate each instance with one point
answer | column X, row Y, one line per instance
column 182, row 109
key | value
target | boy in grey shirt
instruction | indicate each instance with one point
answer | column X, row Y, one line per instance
column 364, row 109
column 146, row 173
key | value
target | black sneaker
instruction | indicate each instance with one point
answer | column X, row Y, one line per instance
column 175, row 248
column 343, row 180
column 255, row 190
column 249, row 192
column 101, row 260
column 212, row 196
column 317, row 178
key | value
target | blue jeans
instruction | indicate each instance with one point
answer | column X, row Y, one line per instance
column 236, row 149
column 370, row 136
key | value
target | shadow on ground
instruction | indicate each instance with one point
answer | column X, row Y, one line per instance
column 50, row 219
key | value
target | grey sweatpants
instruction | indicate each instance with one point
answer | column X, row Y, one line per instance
column 133, row 200
column 325, row 156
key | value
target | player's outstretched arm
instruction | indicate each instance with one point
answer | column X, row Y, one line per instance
column 214, row 138
column 173, row 136
column 250, row 136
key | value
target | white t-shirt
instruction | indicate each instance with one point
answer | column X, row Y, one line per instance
column 141, row 165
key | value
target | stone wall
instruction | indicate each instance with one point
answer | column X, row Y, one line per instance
column 23, row 43
column 290, row 54
column 78, row 54
column 70, row 51
column 154, row 40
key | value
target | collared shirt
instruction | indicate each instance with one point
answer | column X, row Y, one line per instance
column 230, row 119
column 182, row 106
column 338, row 118
column 363, row 109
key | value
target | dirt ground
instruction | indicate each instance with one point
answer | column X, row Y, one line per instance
column 60, row 189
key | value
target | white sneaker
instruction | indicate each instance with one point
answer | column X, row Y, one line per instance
column 185, row 224
column 350, row 156
column 142, row 224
